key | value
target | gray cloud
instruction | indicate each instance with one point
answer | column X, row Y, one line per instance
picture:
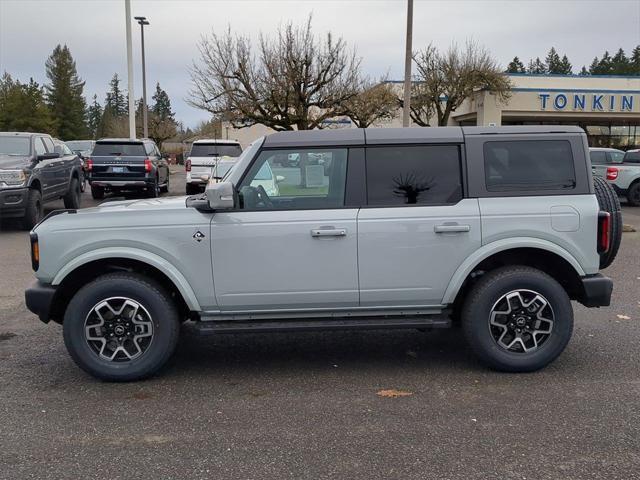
column 94, row 31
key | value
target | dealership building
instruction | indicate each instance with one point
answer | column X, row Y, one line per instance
column 606, row 107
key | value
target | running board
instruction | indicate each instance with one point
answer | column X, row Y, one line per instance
column 261, row 326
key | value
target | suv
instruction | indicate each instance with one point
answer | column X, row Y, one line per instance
column 120, row 164
column 34, row 171
column 623, row 175
column 494, row 229
column 209, row 159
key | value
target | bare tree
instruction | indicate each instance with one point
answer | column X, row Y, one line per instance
column 374, row 101
column 294, row 81
column 445, row 80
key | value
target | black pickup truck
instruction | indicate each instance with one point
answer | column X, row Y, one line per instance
column 33, row 171
column 119, row 165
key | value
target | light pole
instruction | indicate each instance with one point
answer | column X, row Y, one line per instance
column 407, row 67
column 132, row 109
column 142, row 21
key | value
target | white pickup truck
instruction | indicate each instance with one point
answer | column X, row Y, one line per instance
column 621, row 170
column 209, row 158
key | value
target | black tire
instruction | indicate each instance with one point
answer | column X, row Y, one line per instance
column 97, row 192
column 489, row 292
column 633, row 194
column 153, row 191
column 72, row 198
column 192, row 189
column 33, row 211
column 609, row 202
column 154, row 300
column 165, row 188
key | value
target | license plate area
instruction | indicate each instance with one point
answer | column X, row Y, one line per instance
column 118, row 169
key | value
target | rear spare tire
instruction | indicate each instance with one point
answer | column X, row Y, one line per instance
column 608, row 202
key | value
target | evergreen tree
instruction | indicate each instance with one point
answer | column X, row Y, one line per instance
column 162, row 104
column 6, row 85
column 515, row 66
column 593, row 68
column 565, row 66
column 620, row 64
column 634, row 61
column 552, row 62
column 94, row 117
column 24, row 107
column 536, row 66
column 115, row 100
column 605, row 66
column 65, row 95
column 584, row 71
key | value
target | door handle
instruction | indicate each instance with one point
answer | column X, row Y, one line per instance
column 451, row 228
column 329, row 232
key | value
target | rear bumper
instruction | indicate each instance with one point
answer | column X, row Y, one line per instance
column 39, row 297
column 138, row 182
column 596, row 291
column 13, row 202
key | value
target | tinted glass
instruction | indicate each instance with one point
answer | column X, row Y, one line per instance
column 40, row 150
column 48, row 143
column 420, row 175
column 598, row 157
column 632, row 157
column 529, row 165
column 295, row 179
column 616, row 157
column 215, row 150
column 14, row 145
column 80, row 145
column 119, row 149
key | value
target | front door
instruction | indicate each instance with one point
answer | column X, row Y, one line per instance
column 291, row 243
column 417, row 228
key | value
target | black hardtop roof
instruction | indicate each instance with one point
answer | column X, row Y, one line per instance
column 412, row 135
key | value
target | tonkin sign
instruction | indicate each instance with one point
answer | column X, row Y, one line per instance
column 588, row 102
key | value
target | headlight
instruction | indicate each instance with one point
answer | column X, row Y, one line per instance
column 12, row 177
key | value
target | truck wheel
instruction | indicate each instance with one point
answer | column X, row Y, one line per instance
column 517, row 319
column 72, row 198
column 121, row 327
column 609, row 202
column 165, row 188
column 97, row 192
column 153, row 191
column 192, row 189
column 633, row 195
column 33, row 212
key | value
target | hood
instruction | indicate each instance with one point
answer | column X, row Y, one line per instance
column 147, row 204
column 12, row 162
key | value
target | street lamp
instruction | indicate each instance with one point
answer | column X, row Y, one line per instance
column 142, row 21
column 406, row 110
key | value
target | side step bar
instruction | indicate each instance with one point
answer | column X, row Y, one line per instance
column 262, row 326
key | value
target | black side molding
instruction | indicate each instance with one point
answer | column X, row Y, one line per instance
column 38, row 297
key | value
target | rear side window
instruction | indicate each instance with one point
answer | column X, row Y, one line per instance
column 215, row 150
column 632, row 157
column 598, row 157
column 120, row 149
column 529, row 166
column 413, row 175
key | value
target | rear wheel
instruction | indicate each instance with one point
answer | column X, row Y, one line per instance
column 121, row 327
column 633, row 195
column 517, row 319
column 33, row 211
column 72, row 198
column 153, row 191
column 165, row 188
column 192, row 189
column 97, row 192
column 608, row 202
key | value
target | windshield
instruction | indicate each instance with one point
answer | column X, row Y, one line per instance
column 80, row 145
column 15, row 146
column 119, row 148
column 215, row 150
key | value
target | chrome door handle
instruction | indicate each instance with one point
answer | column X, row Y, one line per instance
column 451, row 228
column 329, row 232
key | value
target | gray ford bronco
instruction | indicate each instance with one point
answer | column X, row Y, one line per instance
column 494, row 230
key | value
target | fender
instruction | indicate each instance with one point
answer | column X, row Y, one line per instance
column 499, row 246
column 134, row 254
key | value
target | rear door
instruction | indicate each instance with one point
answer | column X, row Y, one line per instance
column 118, row 160
column 206, row 156
column 292, row 243
column 47, row 169
column 416, row 228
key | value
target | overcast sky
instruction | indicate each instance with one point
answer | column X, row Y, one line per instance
column 94, row 31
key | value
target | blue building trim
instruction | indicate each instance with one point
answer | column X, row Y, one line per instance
column 574, row 90
column 573, row 75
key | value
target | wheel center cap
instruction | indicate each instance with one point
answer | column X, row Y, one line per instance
column 119, row 330
column 521, row 321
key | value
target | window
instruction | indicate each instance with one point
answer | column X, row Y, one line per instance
column 14, row 146
column 529, row 165
column 119, row 149
column 39, row 146
column 421, row 175
column 48, row 143
column 598, row 157
column 215, row 150
column 616, row 157
column 295, row 179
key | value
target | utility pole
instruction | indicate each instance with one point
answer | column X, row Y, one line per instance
column 142, row 21
column 132, row 109
column 407, row 67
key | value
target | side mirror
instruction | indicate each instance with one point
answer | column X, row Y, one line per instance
column 220, row 195
column 280, row 179
column 48, row 156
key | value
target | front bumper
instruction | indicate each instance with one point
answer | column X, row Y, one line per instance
column 596, row 290
column 13, row 201
column 39, row 297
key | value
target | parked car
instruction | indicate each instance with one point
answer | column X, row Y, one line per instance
column 620, row 169
column 209, row 158
column 406, row 231
column 83, row 149
column 32, row 173
column 119, row 165
column 65, row 153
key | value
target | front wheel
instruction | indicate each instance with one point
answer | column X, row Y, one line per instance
column 633, row 195
column 121, row 327
column 517, row 319
column 72, row 198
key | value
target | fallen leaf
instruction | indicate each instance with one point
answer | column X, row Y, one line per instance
column 628, row 228
column 393, row 393
column 624, row 317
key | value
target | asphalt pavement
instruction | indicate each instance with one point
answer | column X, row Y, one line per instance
column 307, row 405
